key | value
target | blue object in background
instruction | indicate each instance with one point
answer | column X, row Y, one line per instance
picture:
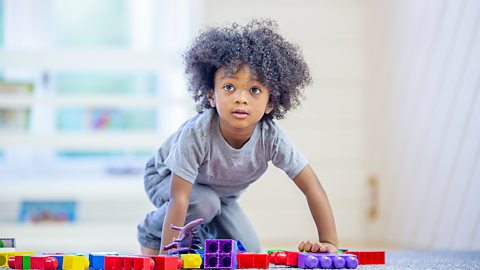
column 47, row 211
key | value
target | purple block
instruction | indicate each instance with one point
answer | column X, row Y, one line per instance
column 220, row 254
column 327, row 261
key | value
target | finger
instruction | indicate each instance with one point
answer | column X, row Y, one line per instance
column 308, row 246
column 324, row 248
column 301, row 247
column 316, row 247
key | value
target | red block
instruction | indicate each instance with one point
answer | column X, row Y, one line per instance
column 138, row 263
column 292, row 258
column 369, row 257
column 252, row 260
column 43, row 263
column 278, row 257
column 163, row 262
column 113, row 263
column 289, row 258
column 15, row 262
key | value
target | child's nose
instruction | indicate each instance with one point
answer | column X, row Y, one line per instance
column 241, row 97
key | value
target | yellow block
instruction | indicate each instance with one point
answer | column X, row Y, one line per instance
column 72, row 262
column 191, row 260
column 5, row 255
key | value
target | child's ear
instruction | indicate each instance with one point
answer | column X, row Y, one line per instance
column 269, row 108
column 211, row 98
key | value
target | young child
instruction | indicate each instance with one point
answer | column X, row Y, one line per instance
column 241, row 78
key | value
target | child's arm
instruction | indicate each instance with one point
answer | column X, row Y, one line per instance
column 180, row 191
column 321, row 211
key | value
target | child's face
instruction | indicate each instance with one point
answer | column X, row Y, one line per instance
column 241, row 101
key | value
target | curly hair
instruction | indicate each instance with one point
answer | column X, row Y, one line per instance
column 275, row 62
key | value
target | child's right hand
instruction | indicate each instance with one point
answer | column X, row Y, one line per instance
column 315, row 246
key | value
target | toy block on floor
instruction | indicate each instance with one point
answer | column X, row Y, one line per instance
column 59, row 260
column 113, row 262
column 289, row 258
column 15, row 262
column 138, row 263
column 72, row 262
column 252, row 260
column 220, row 254
column 4, row 256
column 191, row 260
column 42, row 262
column 277, row 257
column 327, row 261
column 163, row 262
column 369, row 257
column 97, row 259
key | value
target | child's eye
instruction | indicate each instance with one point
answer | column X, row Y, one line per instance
column 256, row 90
column 228, row 87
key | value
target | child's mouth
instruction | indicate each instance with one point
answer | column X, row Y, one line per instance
column 240, row 114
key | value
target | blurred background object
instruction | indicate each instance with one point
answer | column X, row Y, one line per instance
column 90, row 89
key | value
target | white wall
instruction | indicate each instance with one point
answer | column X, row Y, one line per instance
column 329, row 127
column 426, row 134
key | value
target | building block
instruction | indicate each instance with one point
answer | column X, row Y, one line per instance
column 327, row 261
column 72, row 262
column 163, row 262
column 42, row 262
column 138, row 263
column 15, row 262
column 292, row 258
column 97, row 259
column 241, row 247
column 4, row 256
column 277, row 257
column 274, row 250
column 25, row 262
column 289, row 258
column 220, row 254
column 252, row 260
column 113, row 262
column 59, row 260
column 369, row 257
column 191, row 260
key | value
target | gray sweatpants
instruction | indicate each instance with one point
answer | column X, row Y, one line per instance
column 223, row 217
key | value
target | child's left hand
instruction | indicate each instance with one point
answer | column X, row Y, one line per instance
column 315, row 246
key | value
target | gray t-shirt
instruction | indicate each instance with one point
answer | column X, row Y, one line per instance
column 198, row 153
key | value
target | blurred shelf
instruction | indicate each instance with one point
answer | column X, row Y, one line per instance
column 8, row 101
column 84, row 141
column 122, row 60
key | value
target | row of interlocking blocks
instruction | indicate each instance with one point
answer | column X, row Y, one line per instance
column 4, row 256
column 369, row 257
column 48, row 262
column 327, row 261
column 290, row 258
column 314, row 260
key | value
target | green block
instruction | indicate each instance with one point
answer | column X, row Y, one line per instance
column 274, row 250
column 25, row 262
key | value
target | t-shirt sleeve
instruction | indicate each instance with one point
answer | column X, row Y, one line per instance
column 187, row 154
column 285, row 155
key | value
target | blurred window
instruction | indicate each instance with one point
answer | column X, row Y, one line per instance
column 90, row 86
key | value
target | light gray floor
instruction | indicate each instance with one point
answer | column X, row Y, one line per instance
column 407, row 260
column 403, row 260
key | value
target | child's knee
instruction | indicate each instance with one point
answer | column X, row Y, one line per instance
column 204, row 203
